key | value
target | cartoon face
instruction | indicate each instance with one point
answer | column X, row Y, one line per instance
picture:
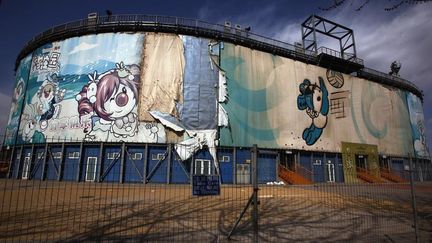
column 47, row 93
column 317, row 99
column 18, row 91
column 121, row 102
column 29, row 129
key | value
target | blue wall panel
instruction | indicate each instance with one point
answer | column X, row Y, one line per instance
column 89, row 151
column 134, row 164
column 266, row 168
column 243, row 155
column 71, row 163
column 38, row 161
column 318, row 167
column 111, row 164
column 157, row 172
column 180, row 170
column 305, row 160
column 53, row 164
column 226, row 167
column 16, row 163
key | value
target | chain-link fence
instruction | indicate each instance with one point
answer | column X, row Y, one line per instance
column 147, row 192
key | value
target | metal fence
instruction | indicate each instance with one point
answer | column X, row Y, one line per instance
column 44, row 208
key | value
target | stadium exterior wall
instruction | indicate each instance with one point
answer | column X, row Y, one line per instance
column 160, row 107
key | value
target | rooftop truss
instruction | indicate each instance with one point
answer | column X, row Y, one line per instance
column 316, row 24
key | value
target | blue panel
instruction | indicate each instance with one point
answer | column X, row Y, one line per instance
column 266, row 168
column 71, row 163
column 134, row 165
column 89, row 151
column 16, row 167
column 243, row 155
column 158, row 170
column 397, row 166
column 38, row 161
column 305, row 160
column 340, row 173
column 111, row 166
column 226, row 167
column 200, row 79
column 318, row 169
column 53, row 164
column 180, row 170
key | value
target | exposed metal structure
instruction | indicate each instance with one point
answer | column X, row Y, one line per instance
column 316, row 24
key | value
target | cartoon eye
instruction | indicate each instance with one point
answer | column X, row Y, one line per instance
column 319, row 98
column 122, row 98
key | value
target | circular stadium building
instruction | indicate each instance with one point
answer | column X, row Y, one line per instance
column 151, row 99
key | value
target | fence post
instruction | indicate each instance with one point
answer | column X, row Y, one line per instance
column 413, row 198
column 255, row 191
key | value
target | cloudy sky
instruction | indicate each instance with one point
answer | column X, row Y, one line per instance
column 381, row 36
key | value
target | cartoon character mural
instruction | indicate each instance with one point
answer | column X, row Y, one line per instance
column 49, row 96
column 31, row 131
column 110, row 100
column 17, row 95
column 313, row 99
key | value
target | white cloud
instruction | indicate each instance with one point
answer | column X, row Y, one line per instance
column 83, row 46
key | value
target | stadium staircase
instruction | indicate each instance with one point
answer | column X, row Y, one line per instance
column 390, row 176
column 294, row 177
column 367, row 177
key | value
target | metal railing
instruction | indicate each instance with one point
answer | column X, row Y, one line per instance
column 345, row 56
column 117, row 23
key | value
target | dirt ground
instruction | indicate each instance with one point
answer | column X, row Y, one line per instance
column 70, row 211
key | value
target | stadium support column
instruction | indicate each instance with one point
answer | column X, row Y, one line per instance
column 99, row 170
column 255, row 191
column 80, row 162
column 145, row 163
column 62, row 159
column 413, row 198
column 122, row 163
column 31, row 162
column 45, row 161
column 169, row 164
column 11, row 163
column 234, row 174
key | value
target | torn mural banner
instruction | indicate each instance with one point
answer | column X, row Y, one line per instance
column 162, row 76
column 198, row 139
column 199, row 86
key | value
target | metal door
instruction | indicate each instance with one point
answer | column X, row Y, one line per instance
column 26, row 168
column 243, row 173
column 330, row 172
